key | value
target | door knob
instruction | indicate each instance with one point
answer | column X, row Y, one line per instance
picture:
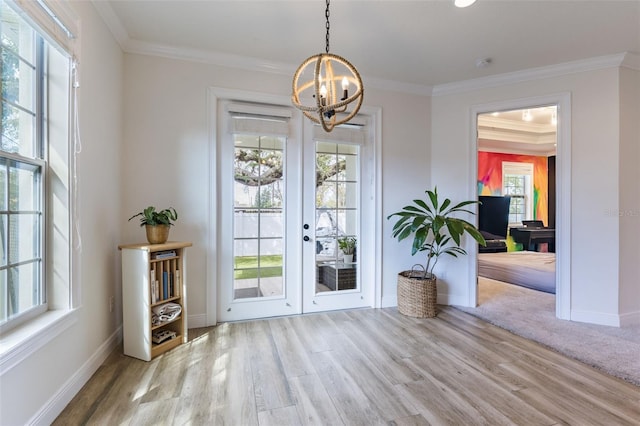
column 306, row 238
column 305, row 226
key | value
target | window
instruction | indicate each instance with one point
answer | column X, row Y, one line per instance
column 21, row 168
column 33, row 188
column 517, row 182
column 514, row 185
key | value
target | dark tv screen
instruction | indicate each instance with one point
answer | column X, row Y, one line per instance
column 493, row 214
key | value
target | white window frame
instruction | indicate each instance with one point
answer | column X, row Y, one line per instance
column 31, row 151
column 520, row 169
column 56, row 23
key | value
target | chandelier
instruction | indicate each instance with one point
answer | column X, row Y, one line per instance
column 316, row 81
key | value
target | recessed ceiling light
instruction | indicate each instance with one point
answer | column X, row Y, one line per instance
column 463, row 3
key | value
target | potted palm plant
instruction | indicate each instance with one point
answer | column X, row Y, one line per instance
column 436, row 231
column 348, row 247
column 157, row 223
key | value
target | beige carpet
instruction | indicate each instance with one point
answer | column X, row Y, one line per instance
column 531, row 314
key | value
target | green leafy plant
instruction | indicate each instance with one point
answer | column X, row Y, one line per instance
column 150, row 216
column 347, row 244
column 434, row 228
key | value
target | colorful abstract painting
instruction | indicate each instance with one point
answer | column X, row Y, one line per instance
column 490, row 178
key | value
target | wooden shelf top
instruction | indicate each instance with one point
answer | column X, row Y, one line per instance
column 156, row 247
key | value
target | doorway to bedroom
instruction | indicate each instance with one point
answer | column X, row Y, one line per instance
column 516, row 185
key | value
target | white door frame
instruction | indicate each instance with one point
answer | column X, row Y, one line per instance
column 563, row 191
column 212, row 253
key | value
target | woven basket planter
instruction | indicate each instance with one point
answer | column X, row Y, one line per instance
column 417, row 296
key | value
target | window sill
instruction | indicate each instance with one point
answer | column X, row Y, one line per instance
column 18, row 344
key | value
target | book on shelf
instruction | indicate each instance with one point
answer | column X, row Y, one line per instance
column 163, row 254
column 165, row 285
column 154, row 295
column 177, row 283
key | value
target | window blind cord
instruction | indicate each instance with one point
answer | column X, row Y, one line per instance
column 77, row 149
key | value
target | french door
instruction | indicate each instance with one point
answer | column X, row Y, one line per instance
column 290, row 217
column 332, row 253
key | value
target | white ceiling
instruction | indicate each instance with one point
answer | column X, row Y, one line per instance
column 415, row 43
column 508, row 132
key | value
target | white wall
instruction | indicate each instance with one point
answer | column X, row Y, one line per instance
column 406, row 142
column 149, row 145
column 595, row 191
column 38, row 388
column 167, row 153
column 629, row 211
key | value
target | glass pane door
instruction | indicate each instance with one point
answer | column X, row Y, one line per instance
column 332, row 253
column 258, row 233
column 336, row 217
column 289, row 221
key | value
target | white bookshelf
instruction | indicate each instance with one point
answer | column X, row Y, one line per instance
column 141, row 272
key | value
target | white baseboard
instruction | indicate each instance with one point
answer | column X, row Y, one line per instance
column 52, row 409
column 197, row 321
column 631, row 318
column 443, row 299
column 600, row 318
column 451, row 300
column 389, row 301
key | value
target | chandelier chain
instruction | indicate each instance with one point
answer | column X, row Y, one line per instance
column 326, row 14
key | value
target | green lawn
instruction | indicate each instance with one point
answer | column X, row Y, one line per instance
column 247, row 266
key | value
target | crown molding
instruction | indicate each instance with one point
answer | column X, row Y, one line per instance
column 631, row 60
column 517, row 126
column 252, row 64
column 551, row 151
column 128, row 45
column 228, row 60
column 505, row 135
column 204, row 56
column 592, row 64
column 112, row 21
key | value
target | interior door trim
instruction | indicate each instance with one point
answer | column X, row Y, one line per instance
column 563, row 191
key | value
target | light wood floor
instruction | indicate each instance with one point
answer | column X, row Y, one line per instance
column 362, row 367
